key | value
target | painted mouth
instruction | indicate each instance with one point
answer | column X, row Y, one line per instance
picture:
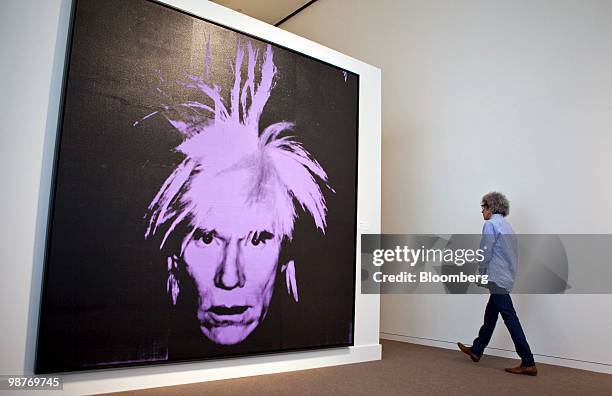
column 225, row 311
column 222, row 316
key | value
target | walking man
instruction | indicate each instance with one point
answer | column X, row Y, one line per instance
column 500, row 247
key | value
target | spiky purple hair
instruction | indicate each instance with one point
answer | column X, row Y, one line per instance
column 218, row 141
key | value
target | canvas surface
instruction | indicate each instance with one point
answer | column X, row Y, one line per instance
column 205, row 195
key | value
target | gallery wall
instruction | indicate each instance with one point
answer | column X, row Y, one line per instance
column 486, row 95
column 33, row 44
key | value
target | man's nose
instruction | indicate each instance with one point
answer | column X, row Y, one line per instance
column 230, row 273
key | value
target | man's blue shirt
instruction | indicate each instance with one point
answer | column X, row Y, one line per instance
column 500, row 247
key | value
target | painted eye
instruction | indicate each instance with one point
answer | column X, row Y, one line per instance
column 204, row 237
column 259, row 238
column 207, row 238
column 255, row 239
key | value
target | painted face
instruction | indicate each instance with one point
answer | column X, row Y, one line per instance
column 232, row 256
column 237, row 191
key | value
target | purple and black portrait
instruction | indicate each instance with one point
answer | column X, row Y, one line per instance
column 235, row 195
column 205, row 195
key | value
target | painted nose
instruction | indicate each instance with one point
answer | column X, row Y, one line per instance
column 230, row 273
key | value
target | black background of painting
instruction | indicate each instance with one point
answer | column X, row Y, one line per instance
column 104, row 302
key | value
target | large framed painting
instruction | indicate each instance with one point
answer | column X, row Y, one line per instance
column 204, row 197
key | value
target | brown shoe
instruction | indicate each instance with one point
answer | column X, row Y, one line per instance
column 523, row 370
column 468, row 351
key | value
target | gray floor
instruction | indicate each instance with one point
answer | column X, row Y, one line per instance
column 408, row 369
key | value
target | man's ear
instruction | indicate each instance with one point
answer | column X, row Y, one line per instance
column 289, row 270
column 172, row 284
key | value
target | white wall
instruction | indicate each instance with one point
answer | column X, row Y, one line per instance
column 481, row 95
column 33, row 42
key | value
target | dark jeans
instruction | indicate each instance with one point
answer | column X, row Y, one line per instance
column 500, row 302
